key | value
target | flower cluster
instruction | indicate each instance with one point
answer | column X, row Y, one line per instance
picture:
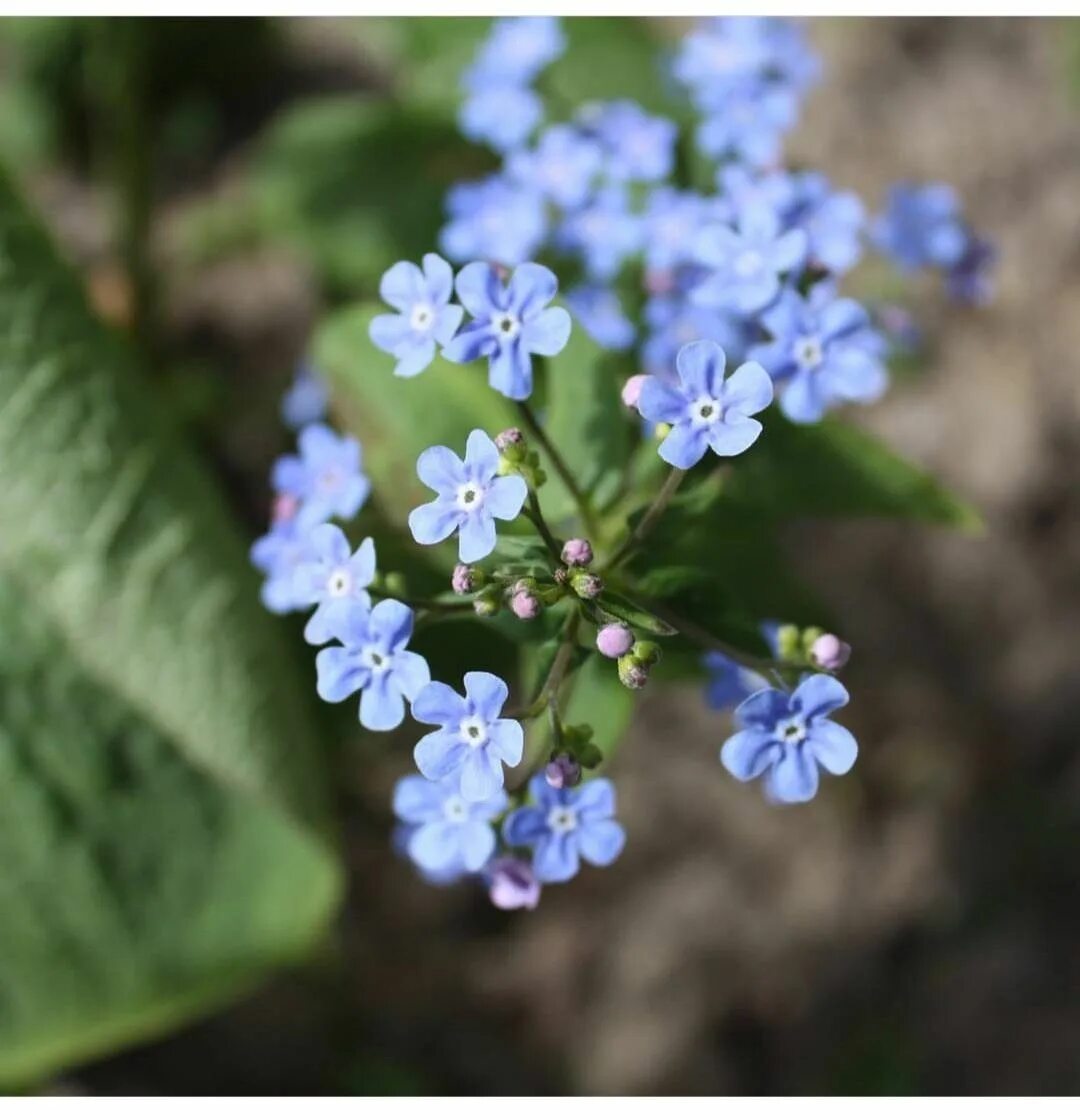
column 735, row 285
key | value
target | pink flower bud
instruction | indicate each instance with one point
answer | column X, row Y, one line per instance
column 632, row 673
column 512, row 884
column 562, row 772
column 631, row 391
column 577, row 553
column 524, row 604
column 830, row 653
column 586, row 585
column 614, row 640
column 461, row 581
column 509, row 438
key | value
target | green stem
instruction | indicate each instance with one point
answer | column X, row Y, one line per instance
column 536, row 516
column 649, row 519
column 581, row 499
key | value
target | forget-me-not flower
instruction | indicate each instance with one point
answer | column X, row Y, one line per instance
column 518, row 48
column 604, row 233
column 471, row 494
column 746, row 261
column 305, row 400
column 787, row 736
column 563, row 166
column 673, row 322
column 325, row 478
column 705, row 409
column 425, row 316
column 748, row 123
column 278, row 554
column 639, row 147
column 499, row 113
column 373, row 659
column 670, row 224
column 509, row 323
column 446, row 835
column 333, row 579
column 600, row 313
column 729, row 682
column 824, row 352
column 565, row 826
column 473, row 741
column 921, row 227
column 493, row 220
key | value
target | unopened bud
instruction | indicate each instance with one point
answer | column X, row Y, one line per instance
column 512, row 884
column 577, row 553
column 561, row 575
column 586, row 585
column 631, row 391
column 830, row 653
column 648, row 653
column 615, row 640
column 487, row 603
column 789, row 643
column 562, row 772
column 395, row 584
column 632, row 672
column 524, row 603
column 467, row 579
column 511, row 437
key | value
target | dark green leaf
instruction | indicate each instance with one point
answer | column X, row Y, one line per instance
column 619, row 607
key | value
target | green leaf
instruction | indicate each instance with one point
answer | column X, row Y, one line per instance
column 619, row 607
column 833, row 469
column 397, row 417
column 164, row 837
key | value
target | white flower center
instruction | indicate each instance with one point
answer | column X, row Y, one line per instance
column 562, row 819
column 375, row 659
column 455, row 810
column 474, row 731
column 339, row 583
column 506, row 324
column 748, row 262
column 705, row 411
column 470, row 496
column 808, row 352
column 422, row 317
column 791, row 730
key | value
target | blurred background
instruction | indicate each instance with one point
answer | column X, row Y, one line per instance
column 218, row 185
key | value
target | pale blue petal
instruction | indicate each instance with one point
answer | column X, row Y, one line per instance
column 507, row 741
column 362, row 563
column 852, row 375
column 391, row 622
column 842, row 316
column 481, row 456
column 764, row 709
column 794, row 778
column 434, row 522
column 477, row 841
column 531, row 287
column 439, row 468
column 410, row 673
column 523, row 827
column 748, row 754
column 505, row 497
column 414, row 357
column 556, row 857
column 819, row 695
column 548, row 333
column 435, row 846
column 486, row 694
column 733, row 436
column 388, row 332
column 438, row 277
column 511, row 371
column 600, row 843
column 447, row 322
column 684, row 446
column 381, row 705
column 748, row 390
column 417, row 800
column 440, row 754
column 402, row 285
column 594, row 800
column 801, row 401
column 439, row 704
column 477, row 538
column 789, row 251
column 754, row 292
column 481, row 775
column 330, row 617
column 701, row 368
column 340, row 674
column 477, row 340
column 479, row 289
column 716, row 245
column 661, row 403
column 834, row 746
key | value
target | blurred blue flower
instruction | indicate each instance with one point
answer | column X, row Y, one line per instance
column 473, row 741
column 493, row 220
column 278, row 554
column 563, row 166
column 333, row 578
column 968, row 281
column 833, row 222
column 787, row 736
column 638, row 146
column 306, row 399
column 670, row 224
column 921, row 227
column 674, row 321
column 600, row 313
column 824, row 352
column 565, row 826
column 746, row 261
column 518, row 48
column 509, row 323
column 373, row 660
column 604, row 233
column 500, row 114
column 747, row 123
column 445, row 835
column 729, row 682
column 471, row 496
column 425, row 316
column 706, row 410
column 325, row 478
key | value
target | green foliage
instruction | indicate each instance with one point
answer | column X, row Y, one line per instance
column 164, row 837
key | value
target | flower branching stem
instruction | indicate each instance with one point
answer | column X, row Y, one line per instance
column 536, row 516
column 529, row 419
column 649, row 518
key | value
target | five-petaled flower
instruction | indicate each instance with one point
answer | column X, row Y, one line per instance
column 473, row 740
column 565, row 826
column 705, row 409
column 425, row 316
column 787, row 736
column 333, row 579
column 509, row 323
column 372, row 659
column 325, row 478
column 471, row 495
column 445, row 834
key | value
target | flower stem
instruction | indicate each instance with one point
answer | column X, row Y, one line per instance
column 650, row 517
column 581, row 499
column 534, row 514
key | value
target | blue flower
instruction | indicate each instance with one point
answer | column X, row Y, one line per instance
column 517, row 49
column 639, row 147
column 787, row 736
column 705, row 409
column 604, row 233
column 671, row 222
column 599, row 311
column 472, row 742
column 968, row 281
column 746, row 262
column 563, row 167
column 729, row 682
column 305, row 400
column 372, row 659
column 325, row 478
column 565, row 826
column 824, row 351
column 501, row 114
column 921, row 227
column 748, row 124
column 425, row 315
column 471, row 496
column 493, row 220
column 445, row 835
column 509, row 323
column 833, row 222
column 335, row 578
column 674, row 322
column 278, row 554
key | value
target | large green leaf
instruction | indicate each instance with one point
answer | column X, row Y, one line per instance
column 164, row 834
column 398, row 417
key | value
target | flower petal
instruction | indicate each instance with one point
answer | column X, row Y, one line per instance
column 734, row 436
column 523, row 827
column 748, row 390
column 511, row 371
column 481, row 456
column 434, row 522
column 764, row 709
column 440, row 754
column 507, row 741
column 417, row 800
column 818, row 695
column 486, row 694
column 435, row 846
column 481, row 775
column 701, row 368
column 684, row 446
column 834, row 746
column 594, row 800
column 438, row 278
column 476, row 539
column 402, row 285
column 506, row 497
column 382, row 707
column 530, row 288
column 439, row 704
column 794, row 778
column 411, row 673
column 661, row 403
column 547, row 333
column 391, row 623
column 556, row 857
column 748, row 754
column 340, row 674
column 477, row 844
column 600, row 843
column 479, row 289
column 441, row 469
